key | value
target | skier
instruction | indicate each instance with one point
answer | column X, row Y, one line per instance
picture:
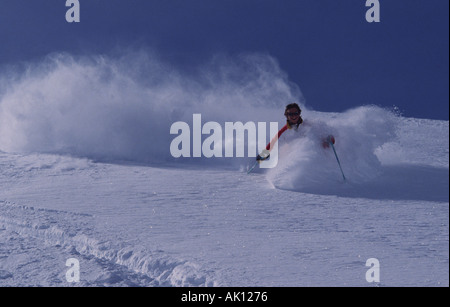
column 293, row 121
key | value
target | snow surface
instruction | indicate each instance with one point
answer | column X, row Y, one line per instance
column 87, row 174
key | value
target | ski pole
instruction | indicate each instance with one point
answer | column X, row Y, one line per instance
column 251, row 169
column 339, row 162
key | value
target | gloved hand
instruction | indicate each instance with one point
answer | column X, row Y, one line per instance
column 264, row 155
column 328, row 141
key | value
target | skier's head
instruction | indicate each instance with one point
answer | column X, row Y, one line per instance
column 292, row 113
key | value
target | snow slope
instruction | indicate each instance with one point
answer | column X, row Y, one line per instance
column 134, row 225
column 87, row 174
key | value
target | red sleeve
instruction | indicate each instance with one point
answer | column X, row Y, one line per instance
column 276, row 137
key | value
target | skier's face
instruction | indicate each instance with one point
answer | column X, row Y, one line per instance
column 293, row 115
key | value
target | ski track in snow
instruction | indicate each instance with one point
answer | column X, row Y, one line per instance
column 34, row 240
column 134, row 225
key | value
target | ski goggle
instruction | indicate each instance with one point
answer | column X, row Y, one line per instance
column 293, row 114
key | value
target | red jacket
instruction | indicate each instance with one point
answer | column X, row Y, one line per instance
column 276, row 137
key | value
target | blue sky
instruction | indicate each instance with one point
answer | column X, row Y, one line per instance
column 327, row 47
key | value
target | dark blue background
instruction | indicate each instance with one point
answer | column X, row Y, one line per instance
column 326, row 46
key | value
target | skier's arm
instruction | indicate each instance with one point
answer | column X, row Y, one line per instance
column 265, row 154
column 270, row 146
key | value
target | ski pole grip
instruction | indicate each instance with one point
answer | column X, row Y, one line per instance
column 331, row 140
